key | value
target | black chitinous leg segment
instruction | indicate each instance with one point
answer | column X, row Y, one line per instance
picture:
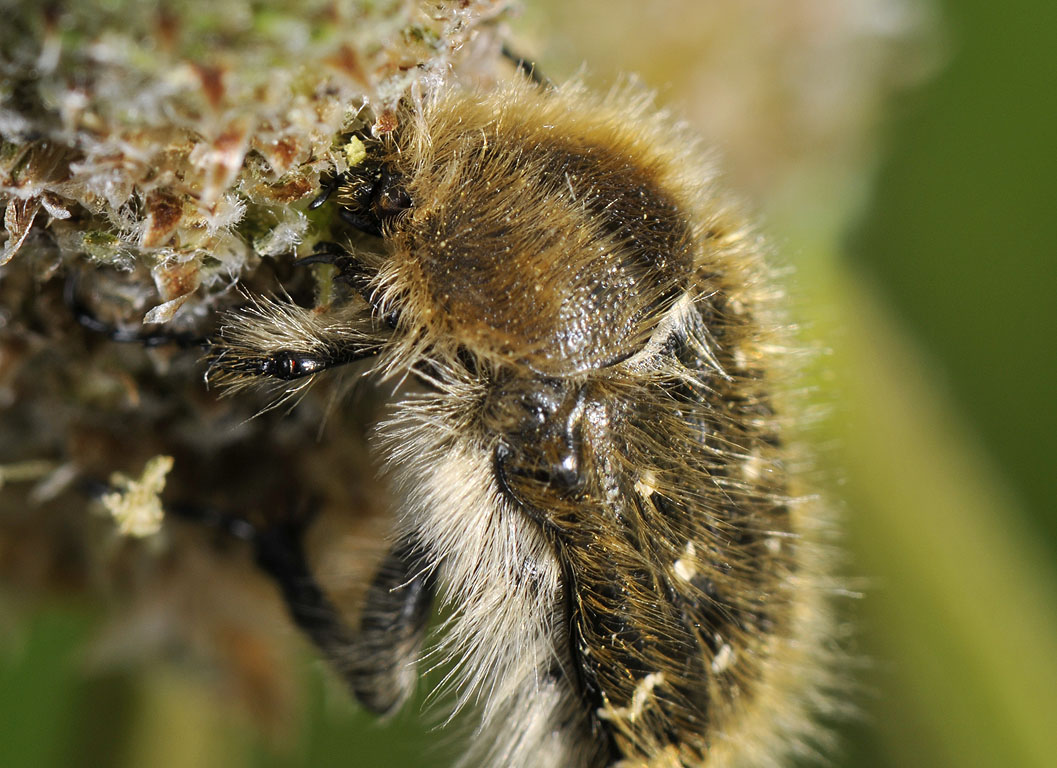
column 369, row 196
column 392, row 626
column 352, row 271
column 279, row 552
column 376, row 659
column 526, row 67
column 278, row 549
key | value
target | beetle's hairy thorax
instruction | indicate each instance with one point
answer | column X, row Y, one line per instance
column 548, row 250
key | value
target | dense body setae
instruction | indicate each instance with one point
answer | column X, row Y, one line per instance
column 594, row 468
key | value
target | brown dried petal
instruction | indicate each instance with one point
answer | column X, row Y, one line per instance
column 175, row 283
column 221, row 160
column 18, row 218
column 281, row 154
column 163, row 313
column 212, row 79
column 164, row 212
column 55, row 205
column 347, row 61
column 174, row 280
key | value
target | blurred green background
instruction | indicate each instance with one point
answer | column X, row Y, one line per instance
column 934, row 288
